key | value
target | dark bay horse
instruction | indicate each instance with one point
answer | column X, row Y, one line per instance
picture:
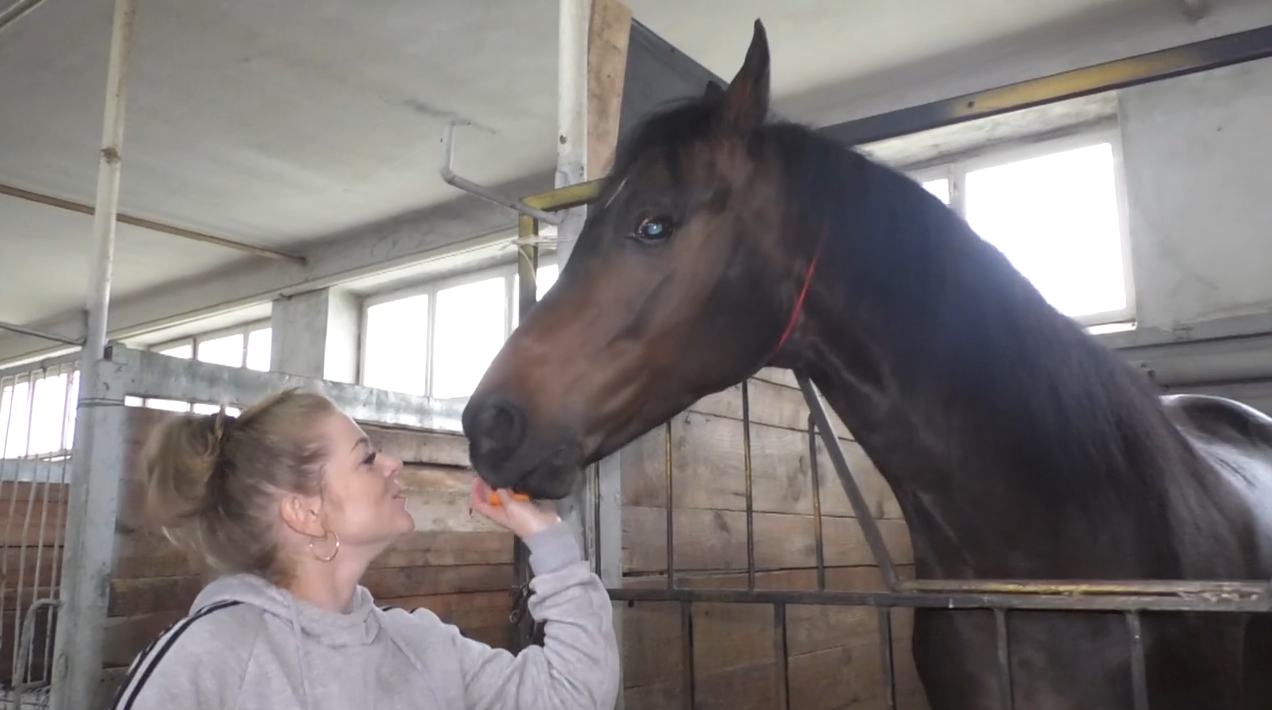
column 1017, row 445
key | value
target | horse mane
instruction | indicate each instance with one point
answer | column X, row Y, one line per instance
column 987, row 357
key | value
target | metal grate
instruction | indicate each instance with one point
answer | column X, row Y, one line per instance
column 37, row 431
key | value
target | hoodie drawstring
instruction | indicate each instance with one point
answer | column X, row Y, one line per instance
column 300, row 654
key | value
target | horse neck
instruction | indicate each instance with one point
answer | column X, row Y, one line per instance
column 1014, row 444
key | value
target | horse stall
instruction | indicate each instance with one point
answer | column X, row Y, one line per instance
column 457, row 565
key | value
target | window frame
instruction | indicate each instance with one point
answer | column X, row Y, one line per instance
column 431, row 286
column 955, row 168
column 245, row 329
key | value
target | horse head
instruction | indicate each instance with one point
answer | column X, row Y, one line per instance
column 680, row 284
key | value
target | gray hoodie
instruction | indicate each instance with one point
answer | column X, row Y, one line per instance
column 249, row 645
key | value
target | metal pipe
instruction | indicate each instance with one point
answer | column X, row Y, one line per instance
column 1182, row 587
column 911, row 600
column 527, row 296
column 148, row 224
column 750, row 493
column 782, row 651
column 79, row 632
column 1139, row 679
column 23, row 330
column 869, row 527
column 450, row 178
column 1005, row 694
column 17, row 11
column 571, row 168
column 818, row 536
column 671, row 529
column 1185, row 59
column 686, row 649
column 885, row 657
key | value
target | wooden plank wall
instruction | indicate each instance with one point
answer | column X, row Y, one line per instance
column 832, row 653
column 458, row 566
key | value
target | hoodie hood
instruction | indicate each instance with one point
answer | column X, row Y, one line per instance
column 309, row 624
column 359, row 627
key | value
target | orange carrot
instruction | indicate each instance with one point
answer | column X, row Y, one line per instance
column 494, row 498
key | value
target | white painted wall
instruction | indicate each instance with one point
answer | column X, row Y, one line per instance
column 1198, row 161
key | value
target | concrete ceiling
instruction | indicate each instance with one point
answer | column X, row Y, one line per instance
column 282, row 122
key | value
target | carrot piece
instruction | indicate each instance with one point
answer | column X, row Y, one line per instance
column 494, row 498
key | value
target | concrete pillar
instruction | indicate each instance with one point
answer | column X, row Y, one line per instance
column 316, row 334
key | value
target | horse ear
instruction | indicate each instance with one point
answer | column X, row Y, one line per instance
column 746, row 101
column 713, row 91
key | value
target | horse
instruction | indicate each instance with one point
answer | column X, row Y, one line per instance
column 724, row 241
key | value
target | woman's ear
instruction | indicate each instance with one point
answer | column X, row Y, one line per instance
column 303, row 514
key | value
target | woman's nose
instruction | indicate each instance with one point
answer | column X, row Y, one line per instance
column 394, row 466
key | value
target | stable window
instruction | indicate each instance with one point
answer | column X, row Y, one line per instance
column 438, row 338
column 1055, row 211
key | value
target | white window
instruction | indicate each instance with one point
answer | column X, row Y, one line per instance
column 438, row 339
column 1054, row 210
column 241, row 346
column 37, row 413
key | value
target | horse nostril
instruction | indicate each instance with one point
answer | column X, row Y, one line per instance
column 499, row 423
column 497, row 434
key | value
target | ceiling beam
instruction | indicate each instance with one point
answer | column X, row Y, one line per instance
column 23, row 330
column 151, row 225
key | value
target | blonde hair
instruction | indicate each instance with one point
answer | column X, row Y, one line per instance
column 213, row 481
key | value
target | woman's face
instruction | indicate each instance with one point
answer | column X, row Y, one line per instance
column 362, row 500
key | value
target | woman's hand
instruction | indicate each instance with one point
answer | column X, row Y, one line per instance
column 523, row 519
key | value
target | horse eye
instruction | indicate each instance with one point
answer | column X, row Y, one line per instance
column 653, row 229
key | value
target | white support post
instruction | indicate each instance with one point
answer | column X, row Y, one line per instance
column 99, row 426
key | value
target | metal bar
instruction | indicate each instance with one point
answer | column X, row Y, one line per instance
column 563, row 198
column 869, row 527
column 17, row 11
column 23, row 330
column 819, row 536
column 527, row 273
column 451, row 178
column 1139, row 680
column 1005, row 694
column 671, row 532
column 1090, row 587
column 686, row 649
column 149, row 374
column 93, row 498
column 750, row 493
column 780, row 649
column 27, row 647
column 150, row 224
column 1040, row 602
column 1163, row 64
column 885, row 657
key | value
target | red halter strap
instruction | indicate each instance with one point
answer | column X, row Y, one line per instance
column 799, row 303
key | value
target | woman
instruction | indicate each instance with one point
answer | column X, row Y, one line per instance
column 290, row 503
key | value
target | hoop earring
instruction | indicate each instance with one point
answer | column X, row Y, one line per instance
column 333, row 552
